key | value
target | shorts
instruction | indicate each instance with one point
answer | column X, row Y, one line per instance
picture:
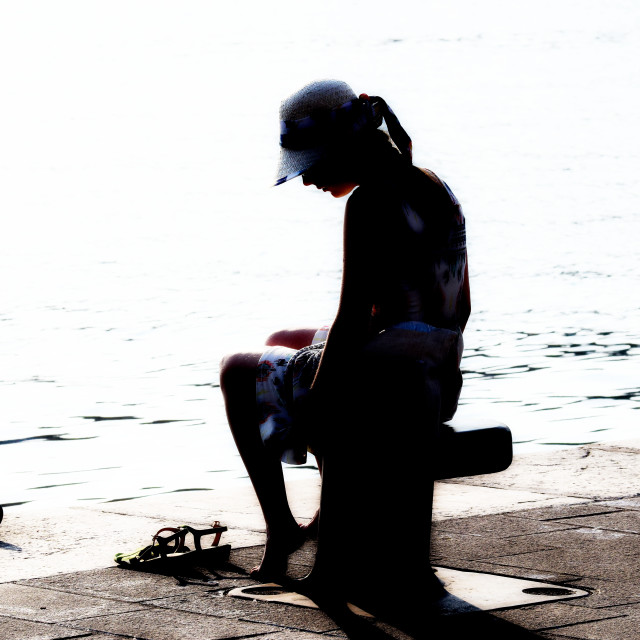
column 278, row 386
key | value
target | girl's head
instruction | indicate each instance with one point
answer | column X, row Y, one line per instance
column 330, row 136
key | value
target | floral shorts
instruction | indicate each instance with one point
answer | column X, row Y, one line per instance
column 278, row 387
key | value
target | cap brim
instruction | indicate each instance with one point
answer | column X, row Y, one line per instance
column 295, row 162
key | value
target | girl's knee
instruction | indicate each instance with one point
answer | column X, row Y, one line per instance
column 237, row 366
column 277, row 338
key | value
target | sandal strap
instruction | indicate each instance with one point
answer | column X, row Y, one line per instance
column 163, row 542
column 197, row 534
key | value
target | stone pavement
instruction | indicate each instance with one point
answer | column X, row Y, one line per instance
column 570, row 517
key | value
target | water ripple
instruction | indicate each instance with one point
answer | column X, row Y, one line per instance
column 50, row 438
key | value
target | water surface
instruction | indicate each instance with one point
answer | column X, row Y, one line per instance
column 142, row 240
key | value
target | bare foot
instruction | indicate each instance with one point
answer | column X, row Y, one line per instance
column 277, row 550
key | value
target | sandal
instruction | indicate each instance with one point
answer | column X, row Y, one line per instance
column 173, row 547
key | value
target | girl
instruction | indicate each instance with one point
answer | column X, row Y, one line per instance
column 367, row 396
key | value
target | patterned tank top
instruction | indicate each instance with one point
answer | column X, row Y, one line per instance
column 423, row 277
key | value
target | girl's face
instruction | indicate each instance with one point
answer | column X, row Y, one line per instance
column 336, row 189
column 329, row 177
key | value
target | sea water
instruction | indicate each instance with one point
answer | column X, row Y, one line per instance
column 142, row 240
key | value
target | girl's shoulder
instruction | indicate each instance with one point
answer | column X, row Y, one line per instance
column 430, row 181
column 420, row 187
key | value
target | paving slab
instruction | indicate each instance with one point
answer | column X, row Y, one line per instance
column 609, row 593
column 460, row 498
column 45, row 605
column 498, row 526
column 476, row 547
column 153, row 623
column 591, row 553
column 476, row 625
column 114, row 583
column 37, row 541
column 625, row 626
column 597, row 471
column 16, row 629
column 568, row 511
column 620, row 521
column 553, row 616
column 237, row 505
column 46, row 542
column 624, row 503
column 312, row 620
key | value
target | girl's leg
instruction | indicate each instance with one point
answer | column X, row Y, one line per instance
column 238, row 384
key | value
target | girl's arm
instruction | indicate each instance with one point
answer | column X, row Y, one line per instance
column 465, row 301
column 351, row 327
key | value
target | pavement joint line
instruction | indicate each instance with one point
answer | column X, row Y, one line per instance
column 94, row 617
column 511, row 555
column 141, row 607
column 587, row 515
column 573, row 624
column 74, row 637
column 12, row 617
column 284, row 626
column 64, row 624
column 573, row 528
column 79, row 621
column 529, row 535
column 77, row 593
column 605, row 606
column 498, row 564
column 253, row 635
column 98, row 633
